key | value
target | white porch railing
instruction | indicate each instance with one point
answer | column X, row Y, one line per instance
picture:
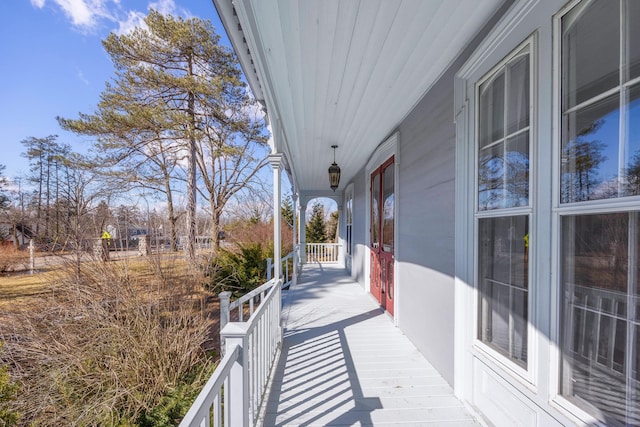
column 289, row 263
column 235, row 393
column 323, row 252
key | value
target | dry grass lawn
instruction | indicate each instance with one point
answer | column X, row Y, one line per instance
column 101, row 343
column 18, row 289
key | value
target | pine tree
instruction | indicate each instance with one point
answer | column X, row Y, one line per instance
column 316, row 227
column 177, row 95
column 287, row 211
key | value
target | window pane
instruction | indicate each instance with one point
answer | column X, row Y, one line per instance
column 491, row 177
column 503, row 285
column 503, row 174
column 518, row 95
column 635, row 378
column 633, row 142
column 388, row 209
column 590, row 51
column 492, row 110
column 590, row 152
column 517, row 170
column 594, row 343
column 503, row 163
column 633, row 38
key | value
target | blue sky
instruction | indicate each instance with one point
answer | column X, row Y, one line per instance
column 53, row 64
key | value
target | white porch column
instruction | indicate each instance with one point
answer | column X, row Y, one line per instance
column 294, row 227
column 277, row 163
column 303, row 232
column 237, row 408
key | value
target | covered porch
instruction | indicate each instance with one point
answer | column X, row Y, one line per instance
column 343, row 362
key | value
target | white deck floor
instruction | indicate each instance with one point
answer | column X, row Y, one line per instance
column 344, row 363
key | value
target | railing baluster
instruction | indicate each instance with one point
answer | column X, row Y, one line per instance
column 236, row 390
column 322, row 252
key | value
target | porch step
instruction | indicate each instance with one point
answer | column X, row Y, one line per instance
column 344, row 363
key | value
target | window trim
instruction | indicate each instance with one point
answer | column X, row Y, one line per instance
column 348, row 226
column 390, row 147
column 528, row 374
column 522, row 19
column 620, row 204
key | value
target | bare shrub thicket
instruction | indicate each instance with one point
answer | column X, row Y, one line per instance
column 12, row 259
column 105, row 349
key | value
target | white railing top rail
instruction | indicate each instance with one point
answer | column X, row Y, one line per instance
column 252, row 322
column 293, row 255
column 213, row 398
column 252, row 294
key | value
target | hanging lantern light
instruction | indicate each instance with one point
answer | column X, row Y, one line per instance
column 334, row 171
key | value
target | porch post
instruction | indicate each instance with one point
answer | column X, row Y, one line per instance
column 294, row 279
column 235, row 333
column 277, row 163
column 303, row 232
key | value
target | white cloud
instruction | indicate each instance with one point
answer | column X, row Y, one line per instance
column 86, row 15
column 81, row 13
column 165, row 7
column 82, row 77
column 134, row 19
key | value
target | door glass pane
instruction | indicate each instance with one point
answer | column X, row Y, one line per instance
column 492, row 110
column 590, row 141
column 594, row 343
column 633, row 37
column 388, row 209
column 503, row 278
column 633, row 141
column 375, row 210
column 390, row 278
column 588, row 28
column 518, row 94
column 375, row 271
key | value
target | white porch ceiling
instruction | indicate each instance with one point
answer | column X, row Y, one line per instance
column 345, row 72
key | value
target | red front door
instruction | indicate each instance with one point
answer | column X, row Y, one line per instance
column 381, row 238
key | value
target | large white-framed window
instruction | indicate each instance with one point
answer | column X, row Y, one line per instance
column 503, row 205
column 349, row 222
column 598, row 208
column 348, row 240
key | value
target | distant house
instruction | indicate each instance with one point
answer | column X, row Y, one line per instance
column 22, row 234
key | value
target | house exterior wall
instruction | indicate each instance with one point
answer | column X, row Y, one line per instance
column 360, row 249
column 549, row 386
column 436, row 251
column 425, row 247
column 425, row 204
